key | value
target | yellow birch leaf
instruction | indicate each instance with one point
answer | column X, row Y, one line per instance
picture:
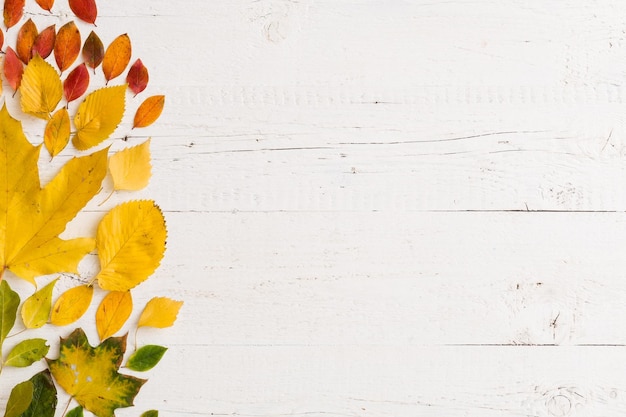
column 159, row 312
column 113, row 312
column 41, row 88
column 131, row 241
column 57, row 133
column 98, row 116
column 130, row 167
column 71, row 305
column 36, row 308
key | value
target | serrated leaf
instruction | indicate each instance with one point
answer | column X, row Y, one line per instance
column 98, row 116
column 150, row 413
column 45, row 4
column 13, row 68
column 131, row 241
column 113, row 312
column 75, row 412
column 44, row 401
column 57, row 133
column 20, row 399
column 90, row 374
column 41, row 88
column 13, row 12
column 36, row 308
column 85, row 10
column 76, row 83
column 27, row 352
column 138, row 77
column 9, row 302
column 146, row 358
column 71, row 305
column 25, row 40
column 160, row 312
column 44, row 43
column 116, row 57
column 130, row 167
column 149, row 111
column 67, row 45
column 93, row 50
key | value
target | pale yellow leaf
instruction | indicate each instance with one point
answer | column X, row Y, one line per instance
column 71, row 305
column 41, row 88
column 57, row 133
column 130, row 167
column 36, row 308
column 113, row 312
column 160, row 312
column 98, row 116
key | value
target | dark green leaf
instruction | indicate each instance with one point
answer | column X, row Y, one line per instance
column 76, row 412
column 150, row 413
column 145, row 358
column 27, row 352
column 9, row 301
column 44, row 401
column 20, row 399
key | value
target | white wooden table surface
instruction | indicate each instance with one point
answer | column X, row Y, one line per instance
column 386, row 209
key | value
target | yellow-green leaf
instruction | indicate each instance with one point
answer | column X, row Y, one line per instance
column 27, row 352
column 130, row 167
column 131, row 241
column 113, row 312
column 160, row 312
column 44, row 396
column 20, row 399
column 41, row 88
column 36, row 308
column 57, row 133
column 71, row 305
column 98, row 116
column 9, row 302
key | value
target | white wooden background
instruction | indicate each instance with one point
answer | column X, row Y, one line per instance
column 385, row 209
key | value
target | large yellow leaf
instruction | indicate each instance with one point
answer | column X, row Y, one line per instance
column 160, row 312
column 130, row 167
column 130, row 242
column 90, row 375
column 113, row 312
column 41, row 88
column 71, row 305
column 31, row 218
column 98, row 116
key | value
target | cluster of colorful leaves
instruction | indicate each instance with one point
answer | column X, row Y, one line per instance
column 130, row 238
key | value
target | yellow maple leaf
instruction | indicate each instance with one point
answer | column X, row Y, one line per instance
column 159, row 312
column 130, row 167
column 31, row 217
column 98, row 116
column 41, row 88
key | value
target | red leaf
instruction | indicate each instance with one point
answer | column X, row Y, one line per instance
column 93, row 50
column 45, row 4
column 13, row 11
column 76, row 83
column 25, row 40
column 13, row 69
column 44, row 43
column 67, row 45
column 85, row 10
column 137, row 78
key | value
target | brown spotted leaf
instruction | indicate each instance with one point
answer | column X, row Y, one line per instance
column 76, row 83
column 67, row 46
column 13, row 12
column 25, row 40
column 85, row 10
column 13, row 69
column 116, row 57
column 137, row 78
column 44, row 43
column 93, row 50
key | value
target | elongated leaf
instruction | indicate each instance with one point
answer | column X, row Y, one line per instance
column 1, row 39
column 44, row 42
column 27, row 352
column 93, row 50
column 160, row 312
column 25, row 40
column 9, row 301
column 36, row 308
column 45, row 4
column 75, row 412
column 67, row 45
column 44, row 401
column 13, row 68
column 57, row 133
column 149, row 111
column 116, row 57
column 146, row 358
column 71, row 305
column 150, row 413
column 41, row 89
column 13, row 12
column 113, row 312
column 85, row 10
column 20, row 399
column 76, row 83
column 98, row 116
column 137, row 78
column 130, row 167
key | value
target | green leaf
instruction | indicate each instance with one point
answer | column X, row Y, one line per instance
column 150, row 413
column 75, row 412
column 27, row 352
column 20, row 399
column 9, row 301
column 145, row 358
column 36, row 308
column 44, row 401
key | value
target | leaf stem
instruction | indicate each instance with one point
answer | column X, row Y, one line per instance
column 67, row 406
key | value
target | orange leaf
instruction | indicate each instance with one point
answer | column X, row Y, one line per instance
column 93, row 50
column 13, row 69
column 44, row 43
column 137, row 78
column 76, row 83
column 25, row 40
column 67, row 45
column 113, row 312
column 85, row 10
column 1, row 38
column 13, row 11
column 149, row 111
column 45, row 4
column 116, row 57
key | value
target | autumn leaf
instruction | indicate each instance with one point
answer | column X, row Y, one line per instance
column 27, row 352
column 13, row 12
column 76, row 83
column 67, row 45
column 131, row 241
column 1, row 38
column 85, row 10
column 20, row 399
column 150, row 413
column 13, row 68
column 93, row 50
column 149, row 111
column 36, row 308
column 130, row 167
column 145, row 358
column 25, row 40
column 44, row 401
column 45, row 4
column 41, row 88
column 75, row 412
column 44, row 42
column 90, row 374
column 71, row 305
column 137, row 78
column 57, row 133
column 9, row 302
column 98, row 116
column 113, row 312
column 160, row 312
column 116, row 57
